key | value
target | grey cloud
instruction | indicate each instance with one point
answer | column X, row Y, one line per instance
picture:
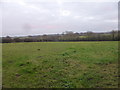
column 44, row 17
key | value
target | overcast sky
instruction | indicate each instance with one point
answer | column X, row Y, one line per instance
column 34, row 17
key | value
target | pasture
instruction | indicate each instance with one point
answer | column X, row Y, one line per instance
column 60, row 65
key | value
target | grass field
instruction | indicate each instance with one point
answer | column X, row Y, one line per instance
column 60, row 65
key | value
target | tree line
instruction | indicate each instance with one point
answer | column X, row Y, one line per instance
column 66, row 36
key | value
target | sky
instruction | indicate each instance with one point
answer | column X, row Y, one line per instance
column 38, row 17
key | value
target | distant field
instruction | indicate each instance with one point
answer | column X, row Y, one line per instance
column 60, row 65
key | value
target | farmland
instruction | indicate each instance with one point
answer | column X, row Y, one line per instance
column 60, row 64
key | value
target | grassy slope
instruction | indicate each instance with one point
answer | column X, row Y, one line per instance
column 60, row 64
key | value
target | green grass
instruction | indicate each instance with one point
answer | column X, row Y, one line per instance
column 60, row 65
column 82, row 36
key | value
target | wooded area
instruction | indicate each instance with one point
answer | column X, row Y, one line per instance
column 66, row 36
